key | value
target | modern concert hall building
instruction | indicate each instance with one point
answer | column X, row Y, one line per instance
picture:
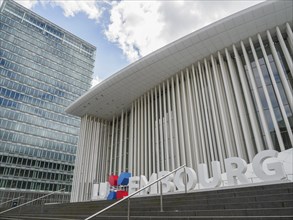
column 223, row 91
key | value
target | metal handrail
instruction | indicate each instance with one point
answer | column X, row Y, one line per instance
column 138, row 191
column 10, row 200
column 7, row 210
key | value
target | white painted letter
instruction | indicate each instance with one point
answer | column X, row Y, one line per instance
column 167, row 184
column 204, row 180
column 143, row 183
column 133, row 184
column 236, row 168
column 100, row 191
column 153, row 189
column 277, row 167
column 95, row 191
column 180, row 177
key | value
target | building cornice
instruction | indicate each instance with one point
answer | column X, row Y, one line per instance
column 117, row 92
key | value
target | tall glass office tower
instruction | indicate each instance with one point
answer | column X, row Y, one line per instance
column 43, row 69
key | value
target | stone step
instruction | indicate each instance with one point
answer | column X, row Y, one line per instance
column 253, row 201
column 154, row 218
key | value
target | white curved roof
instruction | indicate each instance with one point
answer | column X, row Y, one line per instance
column 117, row 92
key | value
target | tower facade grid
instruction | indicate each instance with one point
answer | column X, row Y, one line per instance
column 43, row 68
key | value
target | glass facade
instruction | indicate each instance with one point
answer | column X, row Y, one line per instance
column 43, row 68
column 275, row 113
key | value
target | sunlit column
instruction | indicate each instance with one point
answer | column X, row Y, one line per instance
column 285, row 83
column 241, row 108
column 224, row 119
column 287, row 56
column 257, row 99
column 180, row 122
column 249, row 103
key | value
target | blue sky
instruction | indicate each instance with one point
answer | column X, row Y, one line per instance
column 109, row 57
column 125, row 31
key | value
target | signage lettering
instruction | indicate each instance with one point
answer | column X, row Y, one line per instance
column 235, row 170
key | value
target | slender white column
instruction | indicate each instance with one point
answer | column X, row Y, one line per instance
column 112, row 146
column 86, row 158
column 145, row 154
column 130, row 153
column 175, row 117
column 194, row 152
column 210, row 155
column 139, row 147
column 241, row 108
column 142, row 146
column 108, row 159
column 161, row 134
column 285, row 83
column 249, row 103
column 224, row 119
column 79, row 155
column 290, row 36
column 287, row 56
column 164, row 120
column 97, row 172
column 135, row 145
column 276, row 90
column 83, row 153
column 201, row 146
column 85, row 165
column 150, row 156
column 257, row 100
column 196, row 131
column 226, row 109
column 105, row 150
column 205, row 142
column 153, row 132
column 125, row 147
column 157, row 131
column 232, row 109
column 96, row 153
column 213, row 147
column 180, row 122
column 120, row 143
column 116, row 148
column 188, row 154
column 89, row 158
column 172, row 160
column 275, row 123
column 217, row 126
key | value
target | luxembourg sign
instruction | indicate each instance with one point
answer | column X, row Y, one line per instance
column 263, row 168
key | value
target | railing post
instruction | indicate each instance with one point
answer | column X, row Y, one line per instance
column 161, row 196
column 128, row 209
column 19, row 203
column 185, row 179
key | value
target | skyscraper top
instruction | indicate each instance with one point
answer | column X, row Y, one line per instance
column 48, row 27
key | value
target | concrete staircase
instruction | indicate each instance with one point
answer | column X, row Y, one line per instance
column 274, row 201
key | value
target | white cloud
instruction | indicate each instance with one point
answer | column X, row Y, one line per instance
column 136, row 27
column 70, row 8
column 27, row 3
column 140, row 27
column 91, row 8
column 96, row 80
